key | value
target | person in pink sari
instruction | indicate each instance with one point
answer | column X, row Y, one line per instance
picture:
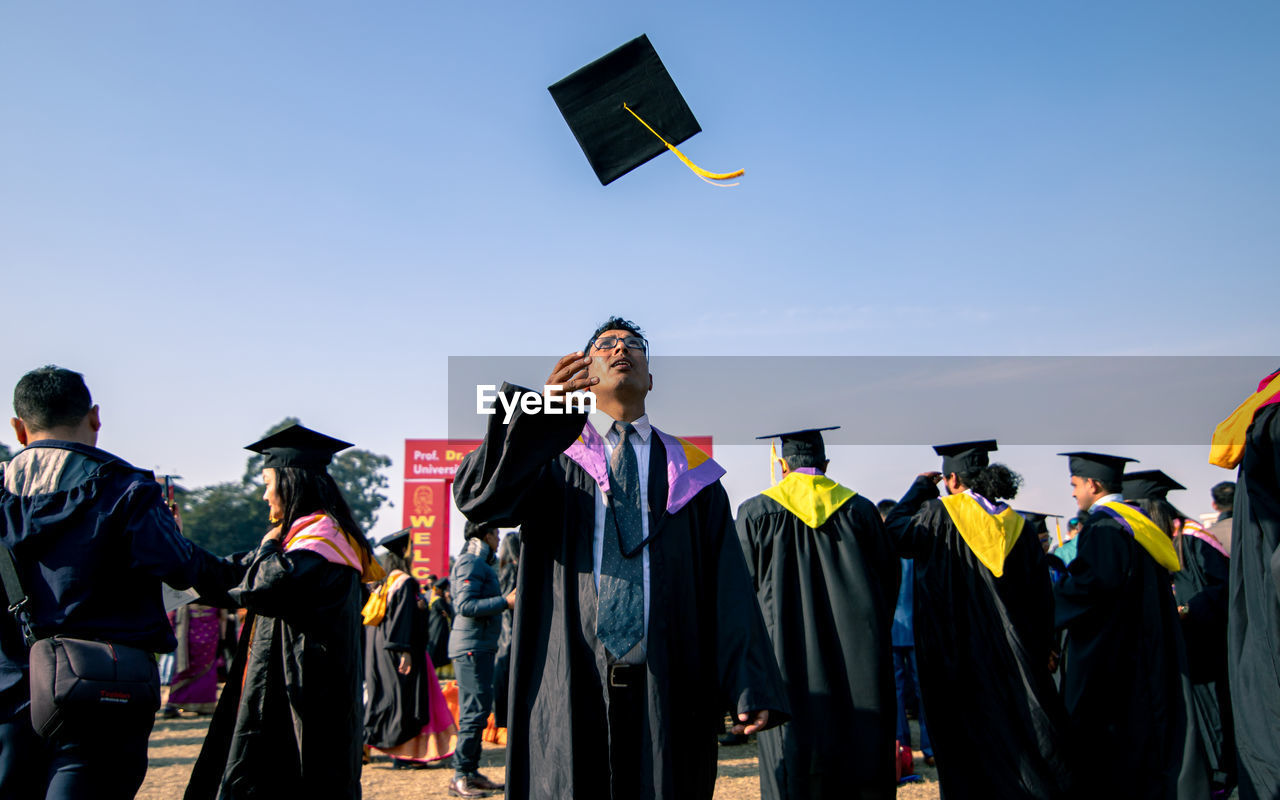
column 194, row 686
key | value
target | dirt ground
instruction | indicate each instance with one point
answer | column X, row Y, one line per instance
column 176, row 743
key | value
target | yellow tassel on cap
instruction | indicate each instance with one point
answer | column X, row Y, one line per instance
column 697, row 170
column 773, row 459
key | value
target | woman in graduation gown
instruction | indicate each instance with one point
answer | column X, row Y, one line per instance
column 400, row 682
column 984, row 632
column 1200, row 589
column 289, row 721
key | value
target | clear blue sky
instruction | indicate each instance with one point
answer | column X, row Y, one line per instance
column 226, row 213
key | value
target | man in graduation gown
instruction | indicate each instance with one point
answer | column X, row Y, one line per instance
column 1250, row 439
column 1200, row 591
column 984, row 633
column 826, row 576
column 1123, row 664
column 635, row 623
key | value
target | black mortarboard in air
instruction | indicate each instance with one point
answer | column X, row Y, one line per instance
column 595, row 102
column 807, row 442
column 1149, row 484
column 395, row 542
column 1099, row 466
column 963, row 457
column 296, row 446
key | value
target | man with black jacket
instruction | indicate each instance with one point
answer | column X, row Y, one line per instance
column 473, row 645
column 93, row 541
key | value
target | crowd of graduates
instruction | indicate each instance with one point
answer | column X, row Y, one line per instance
column 635, row 611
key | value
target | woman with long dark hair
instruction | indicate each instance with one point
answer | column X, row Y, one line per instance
column 290, row 718
column 1200, row 588
column 983, row 624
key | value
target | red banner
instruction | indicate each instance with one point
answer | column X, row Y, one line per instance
column 435, row 459
column 430, row 465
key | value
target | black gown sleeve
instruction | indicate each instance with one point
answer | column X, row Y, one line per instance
column 909, row 533
column 1208, row 606
column 397, row 625
column 300, row 587
column 1098, row 571
column 497, row 482
column 752, row 544
column 744, row 655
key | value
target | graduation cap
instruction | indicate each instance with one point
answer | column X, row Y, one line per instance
column 963, row 457
column 1150, row 484
column 296, row 446
column 395, row 542
column 624, row 110
column 805, row 443
column 1099, row 466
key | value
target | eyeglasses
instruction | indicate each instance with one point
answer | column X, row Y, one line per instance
column 630, row 342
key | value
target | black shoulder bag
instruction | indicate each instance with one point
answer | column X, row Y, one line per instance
column 80, row 680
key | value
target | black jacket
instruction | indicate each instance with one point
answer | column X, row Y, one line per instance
column 92, row 554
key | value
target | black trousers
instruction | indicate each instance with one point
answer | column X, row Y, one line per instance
column 83, row 762
column 628, row 709
column 474, row 672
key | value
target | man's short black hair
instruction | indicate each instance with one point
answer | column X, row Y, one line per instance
column 885, row 506
column 1224, row 494
column 613, row 324
column 1107, row 487
column 51, row 397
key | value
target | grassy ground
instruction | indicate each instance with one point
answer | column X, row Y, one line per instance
column 176, row 743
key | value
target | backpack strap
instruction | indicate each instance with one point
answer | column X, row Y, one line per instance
column 18, row 599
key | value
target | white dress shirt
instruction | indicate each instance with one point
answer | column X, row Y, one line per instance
column 603, row 423
column 1111, row 498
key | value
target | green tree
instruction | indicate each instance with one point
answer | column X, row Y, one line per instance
column 225, row 518
column 230, row 517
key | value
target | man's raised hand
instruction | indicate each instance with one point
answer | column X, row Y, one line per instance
column 570, row 374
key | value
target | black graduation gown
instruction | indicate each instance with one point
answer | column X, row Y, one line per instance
column 398, row 706
column 1201, row 585
column 1253, row 627
column 707, row 646
column 1124, row 664
column 289, row 720
column 983, row 647
column 828, row 595
column 439, row 621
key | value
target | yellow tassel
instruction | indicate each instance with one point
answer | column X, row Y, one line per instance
column 773, row 459
column 697, row 170
column 1058, row 524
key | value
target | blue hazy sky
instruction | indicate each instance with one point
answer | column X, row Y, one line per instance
column 226, row 213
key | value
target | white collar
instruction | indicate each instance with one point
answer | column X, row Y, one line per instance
column 1114, row 497
column 603, row 423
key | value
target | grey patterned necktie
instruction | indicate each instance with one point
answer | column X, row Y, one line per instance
column 620, row 609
